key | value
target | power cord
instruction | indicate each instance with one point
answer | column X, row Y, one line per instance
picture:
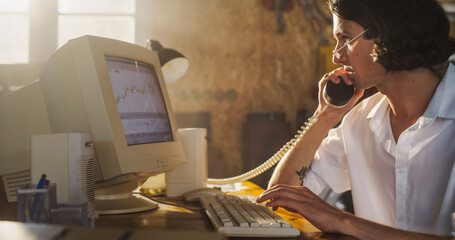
column 275, row 158
column 167, row 203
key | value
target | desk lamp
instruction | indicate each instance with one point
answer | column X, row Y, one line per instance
column 173, row 63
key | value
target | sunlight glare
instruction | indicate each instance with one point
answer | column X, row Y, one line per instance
column 14, row 6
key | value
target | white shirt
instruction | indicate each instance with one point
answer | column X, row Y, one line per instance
column 409, row 184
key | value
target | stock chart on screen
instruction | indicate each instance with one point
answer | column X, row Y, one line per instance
column 140, row 101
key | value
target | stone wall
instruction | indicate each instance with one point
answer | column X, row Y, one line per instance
column 239, row 63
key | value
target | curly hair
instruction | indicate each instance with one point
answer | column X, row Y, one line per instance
column 408, row 33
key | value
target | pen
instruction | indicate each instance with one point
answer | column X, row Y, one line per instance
column 37, row 196
column 41, row 204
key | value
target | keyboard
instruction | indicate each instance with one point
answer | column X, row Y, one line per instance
column 241, row 216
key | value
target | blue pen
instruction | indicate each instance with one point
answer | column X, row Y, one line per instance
column 41, row 204
column 37, row 196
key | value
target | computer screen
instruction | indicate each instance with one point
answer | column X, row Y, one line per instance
column 115, row 91
column 140, row 101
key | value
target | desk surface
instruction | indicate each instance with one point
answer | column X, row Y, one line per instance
column 167, row 217
column 170, row 217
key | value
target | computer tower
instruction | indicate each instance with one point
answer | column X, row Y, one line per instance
column 68, row 160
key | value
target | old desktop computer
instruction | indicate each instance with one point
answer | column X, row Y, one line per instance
column 115, row 91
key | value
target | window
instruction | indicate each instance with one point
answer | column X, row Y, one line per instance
column 50, row 24
column 106, row 18
column 14, row 27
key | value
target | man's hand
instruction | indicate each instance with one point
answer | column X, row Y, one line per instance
column 329, row 219
column 301, row 200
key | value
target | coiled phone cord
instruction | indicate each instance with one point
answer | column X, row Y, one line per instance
column 272, row 160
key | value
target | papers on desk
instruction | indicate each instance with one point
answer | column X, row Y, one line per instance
column 235, row 187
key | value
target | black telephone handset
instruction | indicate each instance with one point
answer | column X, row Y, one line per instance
column 338, row 95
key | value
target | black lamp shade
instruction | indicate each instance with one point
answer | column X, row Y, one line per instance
column 173, row 64
column 167, row 54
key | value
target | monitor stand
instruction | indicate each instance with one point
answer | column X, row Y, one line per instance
column 117, row 198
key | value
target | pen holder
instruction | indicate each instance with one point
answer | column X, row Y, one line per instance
column 33, row 205
column 76, row 214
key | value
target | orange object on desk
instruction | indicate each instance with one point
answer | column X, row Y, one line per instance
column 296, row 220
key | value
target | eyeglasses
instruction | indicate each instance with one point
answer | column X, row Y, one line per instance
column 336, row 51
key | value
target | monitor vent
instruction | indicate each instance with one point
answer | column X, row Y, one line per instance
column 15, row 181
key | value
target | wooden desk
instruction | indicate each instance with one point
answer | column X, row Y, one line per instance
column 163, row 217
column 167, row 217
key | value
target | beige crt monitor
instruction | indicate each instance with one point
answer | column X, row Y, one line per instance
column 114, row 90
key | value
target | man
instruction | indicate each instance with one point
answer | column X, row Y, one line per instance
column 394, row 150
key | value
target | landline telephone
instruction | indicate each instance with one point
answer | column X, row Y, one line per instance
column 335, row 95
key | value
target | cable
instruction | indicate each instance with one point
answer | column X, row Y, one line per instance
column 274, row 159
column 166, row 203
column 258, row 170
